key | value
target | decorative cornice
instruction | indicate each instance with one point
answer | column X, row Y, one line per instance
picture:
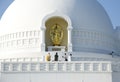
column 22, row 39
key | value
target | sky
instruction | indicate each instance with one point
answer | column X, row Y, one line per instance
column 112, row 7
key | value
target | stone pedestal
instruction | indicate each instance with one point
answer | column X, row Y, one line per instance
column 56, row 48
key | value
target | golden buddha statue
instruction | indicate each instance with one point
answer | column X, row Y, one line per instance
column 56, row 34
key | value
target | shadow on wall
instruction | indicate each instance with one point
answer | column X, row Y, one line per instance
column 4, row 4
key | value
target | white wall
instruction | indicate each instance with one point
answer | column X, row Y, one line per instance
column 116, row 76
column 56, row 77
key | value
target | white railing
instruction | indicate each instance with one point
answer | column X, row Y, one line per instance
column 33, row 59
column 81, row 66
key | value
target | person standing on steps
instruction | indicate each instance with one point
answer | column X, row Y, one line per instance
column 69, row 57
column 66, row 58
column 56, row 57
column 48, row 57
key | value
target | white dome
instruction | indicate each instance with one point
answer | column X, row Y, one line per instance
column 92, row 29
column 28, row 14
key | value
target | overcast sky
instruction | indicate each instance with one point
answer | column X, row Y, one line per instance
column 111, row 6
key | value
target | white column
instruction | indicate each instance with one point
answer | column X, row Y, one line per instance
column 91, row 67
column 82, row 67
column 69, row 39
column 100, row 67
column 43, row 38
column 109, row 68
column 10, row 67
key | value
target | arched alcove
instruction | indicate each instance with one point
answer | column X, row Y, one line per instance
column 52, row 22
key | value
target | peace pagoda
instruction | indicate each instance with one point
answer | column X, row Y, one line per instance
column 58, row 41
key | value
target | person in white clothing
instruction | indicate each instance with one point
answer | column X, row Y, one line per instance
column 69, row 57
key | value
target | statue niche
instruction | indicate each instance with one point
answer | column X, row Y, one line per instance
column 56, row 34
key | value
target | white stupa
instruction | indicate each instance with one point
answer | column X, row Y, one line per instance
column 30, row 29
